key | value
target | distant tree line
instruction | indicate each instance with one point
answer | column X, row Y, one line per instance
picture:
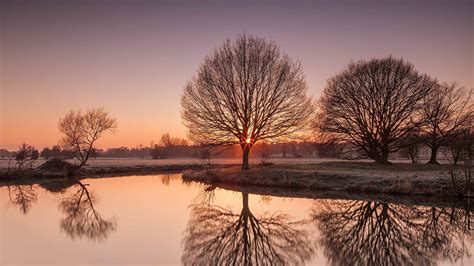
column 459, row 151
column 175, row 148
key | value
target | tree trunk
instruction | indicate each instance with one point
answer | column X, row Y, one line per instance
column 245, row 202
column 382, row 158
column 245, row 215
column 456, row 156
column 245, row 157
column 434, row 151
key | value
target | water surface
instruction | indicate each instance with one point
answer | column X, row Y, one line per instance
column 162, row 220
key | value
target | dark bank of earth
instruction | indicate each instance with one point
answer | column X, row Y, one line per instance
column 59, row 169
column 431, row 180
column 420, row 179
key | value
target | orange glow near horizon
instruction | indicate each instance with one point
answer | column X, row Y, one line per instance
column 134, row 59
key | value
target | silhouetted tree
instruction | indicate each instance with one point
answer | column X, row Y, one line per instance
column 94, row 153
column 81, row 218
column 461, row 144
column 56, row 151
column 26, row 154
column 217, row 236
column 168, row 142
column 264, row 153
column 412, row 144
column 244, row 92
column 205, row 155
column 446, row 109
column 80, row 130
column 45, row 153
column 156, row 152
column 372, row 105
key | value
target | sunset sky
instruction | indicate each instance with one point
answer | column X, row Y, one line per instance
column 134, row 57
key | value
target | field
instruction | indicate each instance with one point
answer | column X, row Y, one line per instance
column 110, row 162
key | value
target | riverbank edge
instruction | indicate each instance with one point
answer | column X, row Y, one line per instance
column 37, row 175
column 323, row 177
column 438, row 185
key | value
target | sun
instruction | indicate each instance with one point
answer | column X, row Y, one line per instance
column 248, row 140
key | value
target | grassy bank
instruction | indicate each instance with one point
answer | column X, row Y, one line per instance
column 36, row 175
column 432, row 180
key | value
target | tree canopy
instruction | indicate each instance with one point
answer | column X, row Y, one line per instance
column 373, row 105
column 246, row 91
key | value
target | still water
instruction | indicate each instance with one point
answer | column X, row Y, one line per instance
column 161, row 220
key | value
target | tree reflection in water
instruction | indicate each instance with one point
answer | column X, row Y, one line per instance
column 167, row 178
column 22, row 196
column 81, row 218
column 218, row 236
column 375, row 233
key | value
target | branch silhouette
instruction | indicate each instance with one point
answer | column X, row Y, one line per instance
column 81, row 218
column 22, row 196
column 218, row 236
column 376, row 233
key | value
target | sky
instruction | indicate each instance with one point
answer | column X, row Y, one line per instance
column 133, row 58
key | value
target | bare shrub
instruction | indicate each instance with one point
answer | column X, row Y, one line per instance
column 265, row 154
column 462, row 180
column 26, row 155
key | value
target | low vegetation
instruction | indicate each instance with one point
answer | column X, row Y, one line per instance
column 431, row 180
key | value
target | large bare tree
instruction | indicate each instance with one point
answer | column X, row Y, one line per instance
column 373, row 105
column 80, row 130
column 246, row 91
column 447, row 109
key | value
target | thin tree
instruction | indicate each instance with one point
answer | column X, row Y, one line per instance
column 413, row 142
column 80, row 131
column 446, row 109
column 246, row 91
column 373, row 105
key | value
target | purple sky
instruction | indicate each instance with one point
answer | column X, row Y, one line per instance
column 134, row 57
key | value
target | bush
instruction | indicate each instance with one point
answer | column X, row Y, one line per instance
column 56, row 165
column 462, row 180
column 26, row 154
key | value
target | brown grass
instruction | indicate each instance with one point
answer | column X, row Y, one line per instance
column 339, row 176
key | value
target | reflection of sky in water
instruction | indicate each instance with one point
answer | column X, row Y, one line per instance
column 160, row 219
